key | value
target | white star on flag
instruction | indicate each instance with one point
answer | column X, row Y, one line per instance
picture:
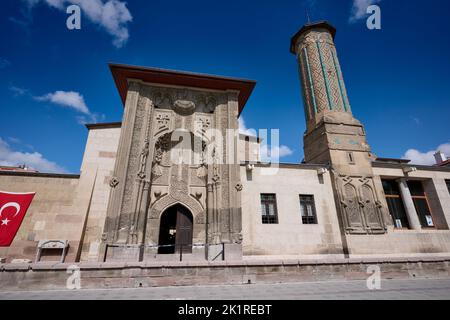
column 5, row 222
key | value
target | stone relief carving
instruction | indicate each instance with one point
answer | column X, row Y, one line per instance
column 132, row 169
column 202, row 173
column 162, row 121
column 162, row 146
column 351, row 208
column 185, row 102
column 162, row 98
column 184, row 107
column 202, row 124
column 143, row 160
column 114, row 182
column 361, row 209
column 158, row 112
column 168, row 200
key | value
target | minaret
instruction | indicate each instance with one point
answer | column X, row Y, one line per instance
column 333, row 136
column 330, row 123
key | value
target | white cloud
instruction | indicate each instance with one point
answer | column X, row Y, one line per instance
column 17, row 91
column 35, row 160
column 14, row 140
column 70, row 99
column 4, row 63
column 426, row 158
column 270, row 155
column 416, row 120
column 111, row 15
column 243, row 128
column 75, row 101
column 91, row 118
column 267, row 152
column 359, row 9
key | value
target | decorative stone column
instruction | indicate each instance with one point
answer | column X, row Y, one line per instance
column 411, row 212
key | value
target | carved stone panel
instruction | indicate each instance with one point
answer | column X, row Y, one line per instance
column 185, row 101
column 371, row 209
column 354, row 219
column 359, row 206
column 152, row 180
column 133, row 167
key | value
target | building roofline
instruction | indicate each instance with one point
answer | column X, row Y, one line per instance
column 106, row 125
column 243, row 136
column 39, row 174
column 122, row 73
column 377, row 164
column 392, row 160
column 310, row 26
column 444, row 163
column 286, row 165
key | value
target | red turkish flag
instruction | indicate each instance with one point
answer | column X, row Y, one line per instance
column 13, row 207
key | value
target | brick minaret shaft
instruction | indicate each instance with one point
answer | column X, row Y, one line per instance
column 333, row 135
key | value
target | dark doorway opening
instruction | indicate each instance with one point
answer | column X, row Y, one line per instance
column 175, row 232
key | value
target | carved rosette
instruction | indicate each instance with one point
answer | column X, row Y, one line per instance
column 114, row 182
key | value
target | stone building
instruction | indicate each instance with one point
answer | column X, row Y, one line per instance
column 137, row 198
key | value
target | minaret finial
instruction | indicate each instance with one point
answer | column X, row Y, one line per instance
column 307, row 16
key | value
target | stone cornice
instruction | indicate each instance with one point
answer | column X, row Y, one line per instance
column 107, row 125
column 377, row 164
column 40, row 175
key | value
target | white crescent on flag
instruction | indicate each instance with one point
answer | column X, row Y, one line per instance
column 10, row 204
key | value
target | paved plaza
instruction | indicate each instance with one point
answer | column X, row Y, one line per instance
column 340, row 290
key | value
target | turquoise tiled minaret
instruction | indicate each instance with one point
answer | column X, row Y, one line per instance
column 323, row 85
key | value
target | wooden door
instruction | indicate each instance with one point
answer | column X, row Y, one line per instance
column 184, row 230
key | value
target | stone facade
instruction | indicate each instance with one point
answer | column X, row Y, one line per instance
column 289, row 237
column 101, row 150
column 170, row 151
column 50, row 216
column 158, row 123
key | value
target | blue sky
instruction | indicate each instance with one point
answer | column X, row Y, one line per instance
column 53, row 79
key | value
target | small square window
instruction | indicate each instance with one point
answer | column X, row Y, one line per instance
column 308, row 209
column 269, row 210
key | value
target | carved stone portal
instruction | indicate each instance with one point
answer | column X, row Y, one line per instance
column 162, row 162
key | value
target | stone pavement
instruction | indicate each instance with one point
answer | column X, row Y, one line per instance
column 340, row 290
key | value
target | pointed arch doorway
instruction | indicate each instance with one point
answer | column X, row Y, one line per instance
column 176, row 230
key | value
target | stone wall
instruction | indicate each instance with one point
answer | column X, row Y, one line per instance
column 101, row 149
column 411, row 241
column 49, row 216
column 136, row 275
column 289, row 236
column 66, row 207
column 248, row 149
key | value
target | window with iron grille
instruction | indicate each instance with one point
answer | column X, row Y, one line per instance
column 269, row 209
column 308, row 209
